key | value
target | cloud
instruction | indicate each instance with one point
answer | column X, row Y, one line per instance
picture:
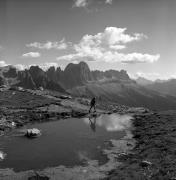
column 142, row 74
column 3, row 63
column 173, row 76
column 80, row 3
column 18, row 66
column 108, row 1
column 147, row 75
column 154, row 75
column 71, row 57
column 32, row 54
column 138, row 58
column 49, row 45
column 47, row 65
column 86, row 3
column 111, row 37
column 105, row 46
column 21, row 67
column 111, row 57
column 43, row 66
column 117, row 47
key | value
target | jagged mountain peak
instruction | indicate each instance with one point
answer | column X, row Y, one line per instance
column 51, row 68
column 74, row 75
column 81, row 64
column 36, row 69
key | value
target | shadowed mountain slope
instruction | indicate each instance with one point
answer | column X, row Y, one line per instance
column 127, row 93
column 165, row 87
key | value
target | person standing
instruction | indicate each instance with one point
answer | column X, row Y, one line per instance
column 92, row 104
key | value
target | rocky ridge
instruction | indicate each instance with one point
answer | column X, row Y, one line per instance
column 55, row 79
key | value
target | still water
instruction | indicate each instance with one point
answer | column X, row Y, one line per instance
column 66, row 142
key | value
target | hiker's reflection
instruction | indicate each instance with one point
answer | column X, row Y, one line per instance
column 92, row 123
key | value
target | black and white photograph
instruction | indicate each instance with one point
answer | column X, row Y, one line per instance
column 87, row 89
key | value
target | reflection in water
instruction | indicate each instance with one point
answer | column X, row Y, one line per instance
column 92, row 123
column 2, row 155
column 113, row 122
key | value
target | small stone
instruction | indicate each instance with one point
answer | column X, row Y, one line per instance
column 84, row 170
column 145, row 163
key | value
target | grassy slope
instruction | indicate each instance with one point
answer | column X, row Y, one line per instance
column 155, row 136
column 167, row 87
column 128, row 94
column 19, row 99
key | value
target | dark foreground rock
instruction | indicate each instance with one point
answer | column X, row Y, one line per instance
column 38, row 177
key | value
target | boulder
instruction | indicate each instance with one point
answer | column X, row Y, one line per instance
column 32, row 133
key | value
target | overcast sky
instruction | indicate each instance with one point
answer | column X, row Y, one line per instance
column 135, row 35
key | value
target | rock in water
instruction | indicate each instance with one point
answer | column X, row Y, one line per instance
column 32, row 133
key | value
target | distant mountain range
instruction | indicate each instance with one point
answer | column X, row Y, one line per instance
column 32, row 78
column 55, row 79
column 143, row 81
column 111, row 85
column 162, row 86
column 166, row 87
